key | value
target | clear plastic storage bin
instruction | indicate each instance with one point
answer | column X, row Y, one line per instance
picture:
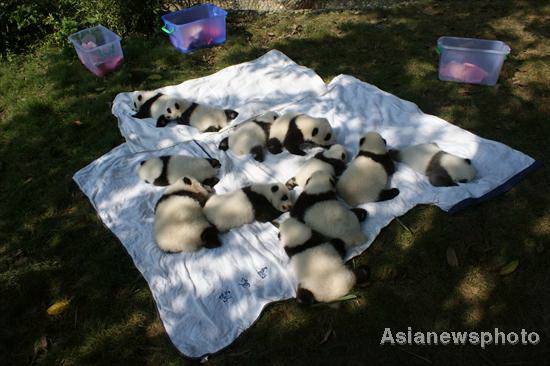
column 469, row 60
column 98, row 49
column 196, row 27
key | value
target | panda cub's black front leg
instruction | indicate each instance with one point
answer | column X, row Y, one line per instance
column 361, row 213
column 295, row 149
column 258, row 153
column 388, row 194
column 210, row 237
column 305, row 297
column 162, row 121
column 274, row 146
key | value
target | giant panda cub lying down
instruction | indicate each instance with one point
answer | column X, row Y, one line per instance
column 443, row 169
column 250, row 137
column 332, row 161
column 180, row 225
column 258, row 202
column 166, row 170
column 318, row 263
column 165, row 109
column 367, row 176
column 318, row 207
column 294, row 132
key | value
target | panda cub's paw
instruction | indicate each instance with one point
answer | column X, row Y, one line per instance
column 210, row 238
column 361, row 213
column 388, row 194
column 362, row 275
column 211, row 182
column 224, row 144
column 274, row 146
column 305, row 297
column 214, row 163
column 291, row 183
column 257, row 153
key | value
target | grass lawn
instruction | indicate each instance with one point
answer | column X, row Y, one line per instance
column 55, row 118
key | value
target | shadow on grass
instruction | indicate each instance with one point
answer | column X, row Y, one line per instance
column 64, row 251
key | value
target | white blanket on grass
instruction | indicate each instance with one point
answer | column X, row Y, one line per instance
column 249, row 88
column 206, row 299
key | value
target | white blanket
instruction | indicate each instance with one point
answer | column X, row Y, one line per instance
column 249, row 88
column 206, row 299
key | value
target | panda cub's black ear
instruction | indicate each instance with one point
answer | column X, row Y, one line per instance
column 142, row 162
column 468, row 161
column 343, row 156
column 177, row 105
column 187, row 181
column 361, row 141
column 168, row 110
column 385, row 143
column 274, row 189
column 140, row 97
column 315, row 131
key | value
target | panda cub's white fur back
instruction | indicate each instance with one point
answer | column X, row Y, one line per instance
column 336, row 153
column 179, row 220
column 366, row 177
column 442, row 168
column 261, row 202
column 318, row 207
column 165, row 170
column 250, row 136
column 319, row 269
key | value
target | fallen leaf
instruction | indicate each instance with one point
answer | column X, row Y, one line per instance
column 99, row 89
column 154, row 77
column 328, row 334
column 28, row 180
column 58, row 307
column 509, row 268
column 347, row 297
column 452, row 259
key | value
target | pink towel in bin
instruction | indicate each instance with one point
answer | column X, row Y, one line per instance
column 466, row 72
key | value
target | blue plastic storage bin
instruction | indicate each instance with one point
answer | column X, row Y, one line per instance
column 98, row 49
column 196, row 27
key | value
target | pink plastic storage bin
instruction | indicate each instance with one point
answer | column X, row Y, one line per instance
column 469, row 60
column 98, row 49
column 196, row 27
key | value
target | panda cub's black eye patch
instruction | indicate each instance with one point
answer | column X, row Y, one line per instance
column 146, row 181
column 187, row 181
column 315, row 131
column 468, row 161
column 284, row 198
column 142, row 162
column 274, row 189
column 361, row 141
column 343, row 156
column 140, row 97
column 168, row 110
column 177, row 106
column 328, row 136
column 307, row 181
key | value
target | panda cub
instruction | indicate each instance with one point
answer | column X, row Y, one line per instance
column 165, row 109
column 162, row 108
column 258, row 202
column 295, row 131
column 250, row 136
column 180, row 225
column 318, row 263
column 319, row 208
column 203, row 117
column 166, row 170
column 332, row 161
column 443, row 169
column 366, row 177
column 141, row 96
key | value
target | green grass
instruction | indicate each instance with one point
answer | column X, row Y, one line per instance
column 54, row 247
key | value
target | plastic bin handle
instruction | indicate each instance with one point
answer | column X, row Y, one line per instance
column 167, row 30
